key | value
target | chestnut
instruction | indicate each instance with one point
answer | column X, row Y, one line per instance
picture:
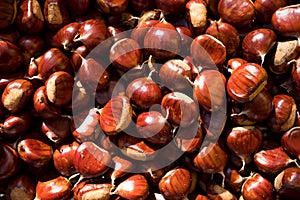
column 233, row 179
column 180, row 109
column 175, row 184
column 266, row 8
column 211, row 158
column 244, row 141
column 290, row 140
column 197, row 14
column 21, row 187
column 9, row 11
column 9, row 162
column 57, row 129
column 216, row 191
column 170, row 7
column 226, row 33
column 112, row 7
column 272, row 161
column 17, row 94
column 144, row 93
column 76, row 58
column 135, row 187
column 162, row 41
column 176, row 75
column 246, row 82
column 78, row 7
column 238, row 14
column 154, row 127
column 283, row 115
column 90, row 160
column 11, row 57
column 140, row 6
column 56, row 14
column 284, row 21
column 30, row 17
column 51, row 61
column 31, row 46
column 125, row 54
column 207, row 51
column 43, row 106
column 59, row 88
column 257, row 187
column 257, row 43
column 63, row 158
column 34, row 152
column 63, row 38
column 287, row 184
column 115, row 116
column 121, row 167
column 57, row 188
column 85, row 190
column 209, row 90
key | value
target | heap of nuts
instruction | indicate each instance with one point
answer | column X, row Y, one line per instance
column 149, row 99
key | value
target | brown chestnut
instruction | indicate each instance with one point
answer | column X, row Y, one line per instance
column 9, row 162
column 21, row 187
column 290, row 142
column 11, row 57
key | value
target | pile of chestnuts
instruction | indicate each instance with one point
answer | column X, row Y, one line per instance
column 149, row 99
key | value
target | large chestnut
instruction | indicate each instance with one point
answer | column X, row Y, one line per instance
column 290, row 142
column 57, row 129
column 266, row 8
column 246, row 82
column 9, row 162
column 209, row 90
column 17, row 95
column 11, row 57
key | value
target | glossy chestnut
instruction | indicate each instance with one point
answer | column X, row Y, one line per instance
column 9, row 11
column 85, row 190
column 57, row 129
column 17, row 94
column 112, row 7
column 10, row 161
column 21, row 187
column 246, row 82
column 290, row 142
column 11, row 57
column 266, row 8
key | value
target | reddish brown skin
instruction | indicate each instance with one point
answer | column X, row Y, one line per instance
column 57, row 188
column 258, row 43
column 154, row 127
column 29, row 23
column 139, row 32
column 266, row 8
column 7, row 8
column 113, row 7
column 285, row 21
column 233, row 178
column 126, row 54
column 9, row 162
column 63, row 158
column 290, row 142
column 290, row 188
column 63, row 38
column 244, row 142
column 244, row 81
column 181, row 112
column 97, row 159
column 10, row 34
column 144, row 93
column 209, row 90
column 11, row 57
column 176, row 184
column 51, row 61
column 76, row 60
column 172, row 7
column 57, row 129
column 234, row 63
column 207, row 52
column 82, row 188
column 34, row 152
column 78, row 7
column 272, row 161
column 139, row 6
column 257, row 188
column 5, row 79
column 282, row 109
column 21, row 182
column 238, row 14
column 226, row 33
column 162, row 41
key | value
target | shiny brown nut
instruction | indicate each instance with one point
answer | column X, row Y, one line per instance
column 57, row 188
column 265, row 9
column 17, row 95
column 63, row 158
column 246, row 82
column 8, row 9
column 59, row 88
column 112, row 7
column 34, row 152
column 257, row 187
column 209, row 90
column 11, row 57
column 283, row 115
column 30, row 18
column 90, row 160
column 290, row 142
column 57, row 129
column 175, row 184
column 135, row 187
column 92, row 191
column 9, row 161
column 115, row 116
column 197, row 14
